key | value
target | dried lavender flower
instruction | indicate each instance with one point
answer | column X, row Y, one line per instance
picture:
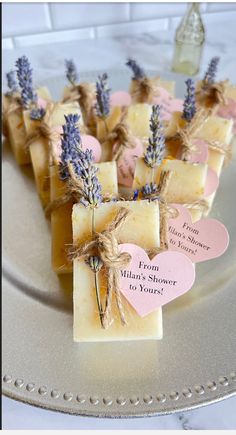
column 138, row 72
column 149, row 189
column 37, row 114
column 155, row 150
column 135, row 195
column 70, row 143
column 103, row 96
column 95, row 263
column 12, row 82
column 86, row 171
column 71, row 72
column 24, row 75
column 189, row 108
column 210, row 75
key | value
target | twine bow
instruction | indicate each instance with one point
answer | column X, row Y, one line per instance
column 44, row 130
column 106, row 246
column 84, row 94
column 143, row 90
column 123, row 139
column 212, row 95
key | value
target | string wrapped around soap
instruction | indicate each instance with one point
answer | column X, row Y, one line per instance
column 83, row 93
column 142, row 89
column 211, row 93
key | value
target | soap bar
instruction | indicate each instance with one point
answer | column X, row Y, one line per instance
column 90, row 88
column 155, row 82
column 214, row 129
column 39, row 149
column 61, row 218
column 17, row 131
column 138, row 119
column 186, row 184
column 103, row 128
column 87, row 327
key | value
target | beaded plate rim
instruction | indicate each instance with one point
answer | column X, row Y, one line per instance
column 107, row 402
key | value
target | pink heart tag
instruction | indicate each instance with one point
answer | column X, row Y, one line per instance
column 126, row 163
column 168, row 103
column 42, row 103
column 120, row 98
column 201, row 154
column 212, row 182
column 228, row 111
column 200, row 241
column 149, row 284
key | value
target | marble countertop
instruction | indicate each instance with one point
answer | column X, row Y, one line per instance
column 154, row 51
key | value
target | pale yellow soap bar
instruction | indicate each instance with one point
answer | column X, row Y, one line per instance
column 103, row 128
column 186, row 184
column 138, row 120
column 17, row 131
column 39, row 149
column 87, row 327
column 61, row 218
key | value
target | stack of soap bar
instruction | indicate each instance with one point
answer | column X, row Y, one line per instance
column 39, row 149
column 87, row 327
column 61, row 218
column 17, row 131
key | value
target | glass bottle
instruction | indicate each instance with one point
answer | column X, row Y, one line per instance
column 189, row 39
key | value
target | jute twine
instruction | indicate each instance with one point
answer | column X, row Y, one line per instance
column 188, row 133
column 143, row 90
column 122, row 138
column 84, row 94
column 105, row 245
column 212, row 95
column 45, row 131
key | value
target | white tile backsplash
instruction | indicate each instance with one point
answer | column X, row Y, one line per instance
column 26, row 24
column 24, row 18
column 48, row 38
column 74, row 15
column 7, row 43
column 221, row 7
column 132, row 28
column 142, row 11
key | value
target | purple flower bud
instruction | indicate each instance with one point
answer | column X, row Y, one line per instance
column 103, row 96
column 210, row 75
column 24, row 75
column 71, row 72
column 189, row 108
column 155, row 151
column 138, row 72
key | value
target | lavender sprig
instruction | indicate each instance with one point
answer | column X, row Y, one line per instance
column 189, row 108
column 71, row 72
column 11, row 82
column 103, row 97
column 86, row 171
column 149, row 189
column 138, row 72
column 37, row 113
column 24, row 74
column 70, row 143
column 210, row 75
column 155, row 150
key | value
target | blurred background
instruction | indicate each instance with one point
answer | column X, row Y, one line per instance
column 55, row 22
